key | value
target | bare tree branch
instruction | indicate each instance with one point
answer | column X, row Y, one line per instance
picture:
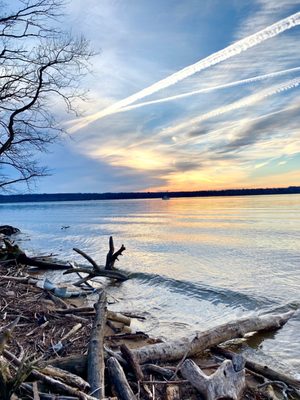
column 39, row 64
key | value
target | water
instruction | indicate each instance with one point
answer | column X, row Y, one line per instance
column 195, row 262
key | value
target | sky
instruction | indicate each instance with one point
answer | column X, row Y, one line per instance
column 183, row 95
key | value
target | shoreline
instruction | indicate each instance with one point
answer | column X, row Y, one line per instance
column 80, row 315
column 57, row 197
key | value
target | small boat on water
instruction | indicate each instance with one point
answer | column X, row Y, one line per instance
column 165, row 197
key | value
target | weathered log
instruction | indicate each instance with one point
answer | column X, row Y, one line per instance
column 114, row 316
column 76, row 364
column 96, row 364
column 132, row 362
column 119, row 381
column 260, row 369
column 32, row 262
column 67, row 377
column 136, row 369
column 112, row 256
column 226, row 382
column 156, row 369
column 53, row 383
column 94, row 274
column 175, row 350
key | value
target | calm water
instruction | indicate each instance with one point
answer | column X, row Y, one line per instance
column 196, row 262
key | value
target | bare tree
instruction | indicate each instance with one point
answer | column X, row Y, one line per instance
column 39, row 64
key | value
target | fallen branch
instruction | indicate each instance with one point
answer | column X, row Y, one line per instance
column 119, row 381
column 175, row 350
column 260, row 369
column 226, row 382
column 53, row 383
column 96, row 364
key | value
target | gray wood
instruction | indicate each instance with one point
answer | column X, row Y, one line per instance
column 119, row 381
column 224, row 383
column 175, row 350
column 96, row 364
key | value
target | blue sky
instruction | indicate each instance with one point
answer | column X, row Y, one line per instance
column 224, row 136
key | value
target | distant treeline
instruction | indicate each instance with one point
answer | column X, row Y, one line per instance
column 20, row 198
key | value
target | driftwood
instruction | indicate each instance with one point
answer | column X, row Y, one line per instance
column 94, row 274
column 98, row 270
column 175, row 350
column 49, row 381
column 112, row 256
column 67, row 377
column 132, row 362
column 119, row 381
column 114, row 316
column 226, row 382
column 76, row 364
column 156, row 369
column 14, row 253
column 95, row 350
column 260, row 369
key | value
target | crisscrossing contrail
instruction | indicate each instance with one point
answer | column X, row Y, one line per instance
column 215, row 58
column 253, row 79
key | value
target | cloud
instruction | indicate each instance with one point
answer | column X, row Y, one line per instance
column 221, row 128
column 213, row 59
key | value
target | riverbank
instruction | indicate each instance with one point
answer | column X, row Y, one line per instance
column 50, row 197
column 52, row 328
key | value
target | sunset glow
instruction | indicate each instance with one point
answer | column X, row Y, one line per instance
column 185, row 96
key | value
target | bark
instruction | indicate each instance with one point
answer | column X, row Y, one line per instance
column 224, row 383
column 175, row 350
column 51, row 382
column 132, row 362
column 119, row 381
column 24, row 259
column 96, row 364
column 67, row 377
column 260, row 369
column 112, row 256
column 96, row 273
column 114, row 316
column 74, row 364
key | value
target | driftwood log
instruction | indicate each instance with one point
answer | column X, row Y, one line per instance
column 98, row 270
column 49, row 381
column 119, row 381
column 175, row 350
column 227, row 382
column 264, row 370
column 96, row 364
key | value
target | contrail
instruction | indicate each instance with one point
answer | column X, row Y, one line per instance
column 215, row 58
column 210, row 89
column 252, row 99
column 195, row 139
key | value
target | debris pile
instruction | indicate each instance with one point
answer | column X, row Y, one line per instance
column 54, row 345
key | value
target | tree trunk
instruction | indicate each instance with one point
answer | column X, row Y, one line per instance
column 261, row 369
column 96, row 364
column 226, row 382
column 175, row 350
column 119, row 381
